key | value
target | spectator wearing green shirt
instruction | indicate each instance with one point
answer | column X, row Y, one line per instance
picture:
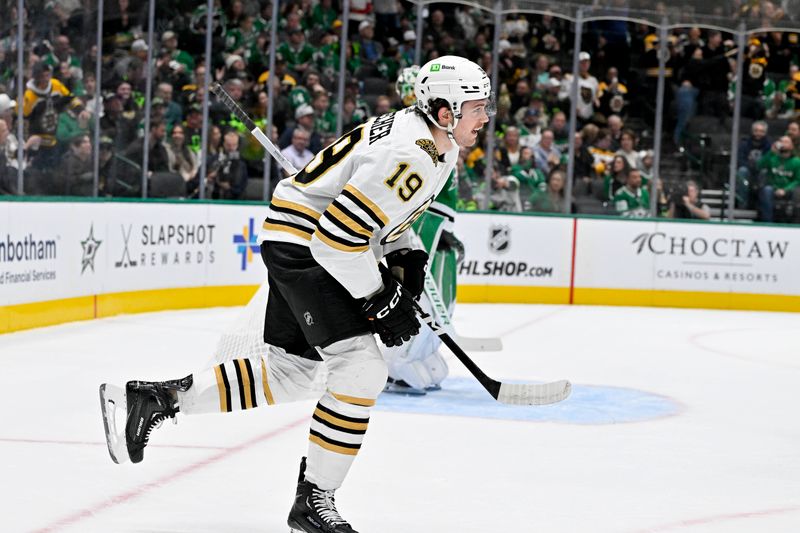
column 782, row 172
column 632, row 201
column 169, row 43
column 324, row 118
column 297, row 52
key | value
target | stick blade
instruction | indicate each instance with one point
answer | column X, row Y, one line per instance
column 113, row 401
column 534, row 394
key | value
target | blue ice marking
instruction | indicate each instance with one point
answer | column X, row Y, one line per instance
column 588, row 404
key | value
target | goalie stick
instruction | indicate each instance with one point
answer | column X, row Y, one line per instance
column 482, row 344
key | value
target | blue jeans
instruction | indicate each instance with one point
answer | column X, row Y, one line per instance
column 766, row 202
column 686, row 102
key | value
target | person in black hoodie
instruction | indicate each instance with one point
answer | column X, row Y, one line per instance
column 751, row 148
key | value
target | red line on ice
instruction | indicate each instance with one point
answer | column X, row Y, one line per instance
column 166, row 479
column 721, row 518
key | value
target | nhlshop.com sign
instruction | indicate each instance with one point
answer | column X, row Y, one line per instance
column 514, row 250
column 687, row 257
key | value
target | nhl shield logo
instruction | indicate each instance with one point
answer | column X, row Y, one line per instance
column 499, row 238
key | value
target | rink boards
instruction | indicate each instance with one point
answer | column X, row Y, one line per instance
column 63, row 261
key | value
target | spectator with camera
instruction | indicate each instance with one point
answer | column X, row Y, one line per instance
column 781, row 171
column 227, row 175
column 686, row 203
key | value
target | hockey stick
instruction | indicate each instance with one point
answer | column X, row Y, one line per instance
column 509, row 393
column 439, row 309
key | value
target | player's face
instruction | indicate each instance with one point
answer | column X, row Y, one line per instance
column 473, row 117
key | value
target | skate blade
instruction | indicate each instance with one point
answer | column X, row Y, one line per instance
column 112, row 401
column 393, row 388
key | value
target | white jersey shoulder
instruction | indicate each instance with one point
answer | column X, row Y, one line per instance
column 359, row 196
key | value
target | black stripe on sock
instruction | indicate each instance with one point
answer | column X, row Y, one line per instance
column 227, row 386
column 252, row 382
column 336, row 442
column 342, row 417
column 339, row 428
column 241, row 385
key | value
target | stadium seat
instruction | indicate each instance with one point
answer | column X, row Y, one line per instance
column 167, row 185
column 254, row 190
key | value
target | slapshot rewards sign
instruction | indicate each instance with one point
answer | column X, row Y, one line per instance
column 165, row 245
column 687, row 257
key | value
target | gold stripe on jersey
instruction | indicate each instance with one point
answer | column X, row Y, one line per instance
column 364, row 402
column 332, row 445
column 337, row 214
column 265, row 383
column 286, row 206
column 245, row 386
column 339, row 422
column 224, row 393
column 369, row 207
column 288, row 227
column 338, row 243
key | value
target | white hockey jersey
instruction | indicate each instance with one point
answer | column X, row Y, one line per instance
column 355, row 201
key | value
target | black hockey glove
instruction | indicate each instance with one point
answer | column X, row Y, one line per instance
column 408, row 267
column 450, row 241
column 391, row 313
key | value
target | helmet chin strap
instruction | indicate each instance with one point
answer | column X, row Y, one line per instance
column 450, row 127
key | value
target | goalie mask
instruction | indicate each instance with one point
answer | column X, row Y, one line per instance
column 455, row 80
column 405, row 85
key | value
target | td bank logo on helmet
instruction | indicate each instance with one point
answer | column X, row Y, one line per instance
column 437, row 67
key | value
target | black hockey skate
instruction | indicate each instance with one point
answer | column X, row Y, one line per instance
column 146, row 405
column 314, row 509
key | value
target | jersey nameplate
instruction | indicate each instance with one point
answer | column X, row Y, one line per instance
column 429, row 148
column 381, row 127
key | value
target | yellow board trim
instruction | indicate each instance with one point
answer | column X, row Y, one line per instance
column 510, row 294
column 339, row 246
column 248, row 387
column 342, row 217
column 287, row 229
column 39, row 314
column 361, row 426
column 688, row 299
column 20, row 317
column 363, row 402
column 296, row 207
column 332, row 447
column 369, row 203
column 223, row 401
column 265, row 383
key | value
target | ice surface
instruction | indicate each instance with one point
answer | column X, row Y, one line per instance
column 680, row 420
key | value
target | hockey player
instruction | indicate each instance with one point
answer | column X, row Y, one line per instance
column 417, row 366
column 325, row 232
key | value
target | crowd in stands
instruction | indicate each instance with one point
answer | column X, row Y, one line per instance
column 615, row 106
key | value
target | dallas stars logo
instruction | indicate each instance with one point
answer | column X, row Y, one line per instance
column 90, row 246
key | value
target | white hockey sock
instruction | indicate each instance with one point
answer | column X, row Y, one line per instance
column 247, row 383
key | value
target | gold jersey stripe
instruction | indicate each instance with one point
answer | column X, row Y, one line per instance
column 377, row 211
column 345, row 219
column 223, row 400
column 339, row 422
column 265, row 383
column 363, row 402
column 332, row 447
column 296, row 207
column 248, row 400
column 288, row 229
column 333, row 244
